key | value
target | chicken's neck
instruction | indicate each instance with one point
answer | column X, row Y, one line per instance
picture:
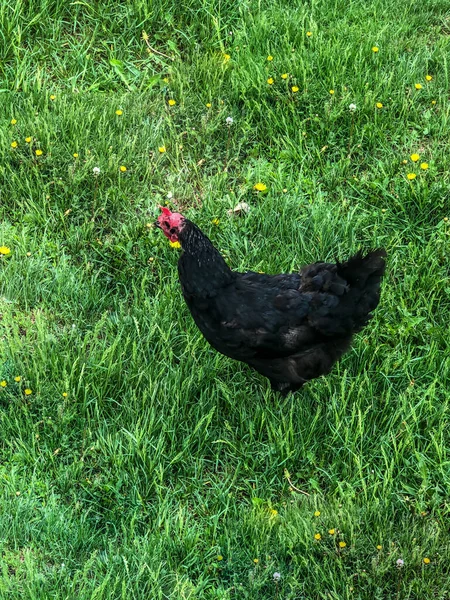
column 201, row 267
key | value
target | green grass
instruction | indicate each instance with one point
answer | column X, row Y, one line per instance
column 164, row 455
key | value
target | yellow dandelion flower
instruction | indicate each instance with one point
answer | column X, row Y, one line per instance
column 426, row 561
column 317, row 536
column 404, row 162
column 166, row 80
column 379, row 105
column 379, row 547
column 38, row 153
column 411, row 176
column 172, row 102
column 215, row 221
column 122, row 168
column 5, row 250
column 375, row 49
column 28, row 392
column 260, row 187
column 52, row 97
column 13, row 121
column 3, row 383
column 424, row 166
column 414, row 157
column 175, row 244
column 161, row 149
column 270, row 58
column 273, row 512
column 284, row 76
column 75, row 154
column 433, row 102
column 14, row 144
column 28, row 140
column 309, row 33
column 331, row 92
column 226, row 57
column 17, row 379
column 294, row 88
column 219, row 557
column 418, row 86
column 119, row 112
column 428, row 77
column 342, row 544
column 208, row 105
column 317, row 513
column 270, row 81
column 64, row 394
column 331, row 531
column 256, row 561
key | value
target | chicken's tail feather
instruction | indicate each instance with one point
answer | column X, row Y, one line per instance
column 363, row 275
column 358, row 269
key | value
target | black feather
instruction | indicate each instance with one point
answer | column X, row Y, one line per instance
column 289, row 327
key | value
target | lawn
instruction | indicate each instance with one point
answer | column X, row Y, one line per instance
column 135, row 461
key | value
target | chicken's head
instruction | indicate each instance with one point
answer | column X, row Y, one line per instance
column 171, row 224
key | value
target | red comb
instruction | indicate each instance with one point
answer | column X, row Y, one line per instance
column 165, row 211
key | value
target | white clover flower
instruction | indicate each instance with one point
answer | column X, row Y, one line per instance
column 229, row 121
column 276, row 576
column 352, row 107
column 96, row 171
column 400, row 563
column 169, row 195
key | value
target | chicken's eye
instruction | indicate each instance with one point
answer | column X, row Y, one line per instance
column 166, row 223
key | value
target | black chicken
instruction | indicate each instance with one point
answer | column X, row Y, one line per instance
column 289, row 327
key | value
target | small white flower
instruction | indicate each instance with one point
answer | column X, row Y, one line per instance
column 352, row 107
column 169, row 195
column 96, row 171
column 400, row 563
column 276, row 576
column 229, row 121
